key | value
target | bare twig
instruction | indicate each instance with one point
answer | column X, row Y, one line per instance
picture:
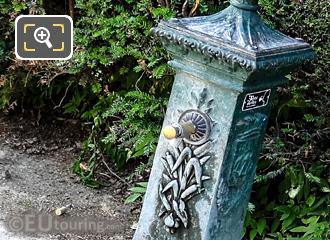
column 27, row 77
column 297, row 161
column 137, row 82
column 109, row 169
column 184, row 10
column 71, row 8
column 66, row 91
column 56, row 75
column 161, row 3
column 108, row 176
column 113, row 173
column 302, row 164
column 195, row 7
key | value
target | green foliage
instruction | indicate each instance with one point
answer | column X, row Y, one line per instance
column 301, row 208
column 137, row 192
column 87, row 175
column 124, row 127
column 120, row 40
column 309, row 20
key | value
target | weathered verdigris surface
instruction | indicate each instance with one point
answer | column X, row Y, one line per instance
column 228, row 66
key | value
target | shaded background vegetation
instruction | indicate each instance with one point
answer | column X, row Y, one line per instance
column 117, row 84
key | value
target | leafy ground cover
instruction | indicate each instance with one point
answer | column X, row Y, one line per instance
column 117, row 84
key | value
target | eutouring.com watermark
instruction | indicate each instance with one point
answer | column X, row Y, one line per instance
column 30, row 223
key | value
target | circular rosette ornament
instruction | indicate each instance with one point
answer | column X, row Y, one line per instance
column 201, row 123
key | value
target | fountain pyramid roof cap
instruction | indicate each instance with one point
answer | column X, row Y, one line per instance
column 238, row 30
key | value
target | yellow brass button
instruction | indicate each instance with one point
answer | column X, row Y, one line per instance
column 169, row 132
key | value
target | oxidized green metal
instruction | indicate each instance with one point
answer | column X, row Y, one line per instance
column 228, row 66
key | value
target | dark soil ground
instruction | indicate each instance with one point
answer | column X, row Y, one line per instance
column 35, row 176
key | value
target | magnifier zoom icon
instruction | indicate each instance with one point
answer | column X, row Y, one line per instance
column 42, row 35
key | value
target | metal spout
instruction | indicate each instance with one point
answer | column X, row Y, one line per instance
column 179, row 130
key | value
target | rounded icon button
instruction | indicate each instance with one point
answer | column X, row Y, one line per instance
column 42, row 35
column 16, row 224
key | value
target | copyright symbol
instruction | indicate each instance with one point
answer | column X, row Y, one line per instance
column 16, row 224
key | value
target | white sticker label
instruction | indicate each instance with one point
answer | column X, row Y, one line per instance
column 256, row 100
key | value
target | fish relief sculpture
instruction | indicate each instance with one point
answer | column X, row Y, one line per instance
column 183, row 175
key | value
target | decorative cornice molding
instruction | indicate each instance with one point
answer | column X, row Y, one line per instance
column 235, row 36
column 230, row 57
column 203, row 48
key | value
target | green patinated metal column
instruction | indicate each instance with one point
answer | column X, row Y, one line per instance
column 228, row 66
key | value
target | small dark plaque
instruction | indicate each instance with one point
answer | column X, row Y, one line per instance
column 256, row 100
